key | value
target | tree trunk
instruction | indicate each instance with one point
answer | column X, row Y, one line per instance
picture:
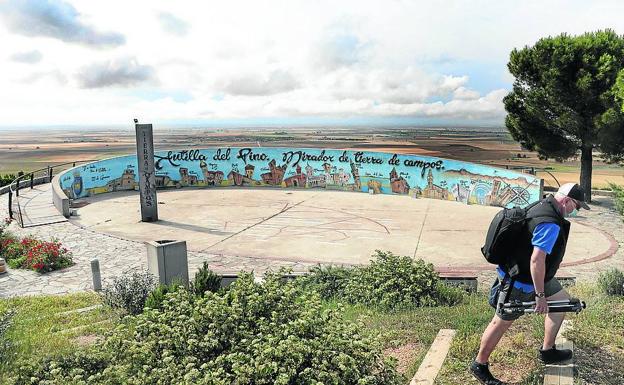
column 586, row 171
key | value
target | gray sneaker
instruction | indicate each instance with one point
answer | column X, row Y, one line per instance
column 482, row 373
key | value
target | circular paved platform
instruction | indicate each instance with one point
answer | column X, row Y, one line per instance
column 316, row 226
column 260, row 230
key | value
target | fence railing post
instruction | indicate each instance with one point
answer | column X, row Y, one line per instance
column 32, row 180
column 10, row 203
column 17, row 184
column 50, row 175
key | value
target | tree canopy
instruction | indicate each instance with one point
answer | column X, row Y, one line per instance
column 567, row 98
column 619, row 88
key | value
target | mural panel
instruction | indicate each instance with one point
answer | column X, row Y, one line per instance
column 384, row 173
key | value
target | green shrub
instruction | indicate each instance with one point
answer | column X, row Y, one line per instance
column 156, row 298
column 448, row 295
column 393, row 282
column 611, row 282
column 269, row 333
column 5, row 180
column 205, row 280
column 619, row 197
column 329, row 281
column 389, row 282
column 129, row 292
column 77, row 368
column 16, row 263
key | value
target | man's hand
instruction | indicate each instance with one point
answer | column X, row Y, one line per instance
column 541, row 305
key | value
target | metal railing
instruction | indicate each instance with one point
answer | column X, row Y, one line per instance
column 533, row 171
column 29, row 180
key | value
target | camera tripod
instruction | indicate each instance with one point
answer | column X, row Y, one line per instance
column 573, row 305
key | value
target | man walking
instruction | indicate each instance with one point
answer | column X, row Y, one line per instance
column 538, row 255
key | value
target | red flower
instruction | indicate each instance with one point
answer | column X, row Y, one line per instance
column 41, row 255
column 7, row 242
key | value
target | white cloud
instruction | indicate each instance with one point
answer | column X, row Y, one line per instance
column 404, row 86
column 257, row 84
column 124, row 72
column 463, row 93
column 29, row 57
column 339, row 49
column 50, row 76
column 245, row 59
column 173, row 24
column 55, row 19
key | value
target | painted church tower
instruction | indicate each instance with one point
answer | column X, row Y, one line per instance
column 356, row 176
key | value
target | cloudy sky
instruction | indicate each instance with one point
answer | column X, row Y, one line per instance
column 85, row 62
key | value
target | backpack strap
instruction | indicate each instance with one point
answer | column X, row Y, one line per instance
column 512, row 271
column 506, row 286
column 529, row 207
column 546, row 216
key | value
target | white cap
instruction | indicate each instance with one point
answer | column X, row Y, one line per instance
column 574, row 191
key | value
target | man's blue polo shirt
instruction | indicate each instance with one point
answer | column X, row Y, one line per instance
column 544, row 237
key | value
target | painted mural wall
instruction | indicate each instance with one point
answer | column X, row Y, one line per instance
column 386, row 173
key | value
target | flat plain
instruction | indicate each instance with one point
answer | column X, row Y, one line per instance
column 29, row 150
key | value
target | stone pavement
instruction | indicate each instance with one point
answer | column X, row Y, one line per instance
column 118, row 255
column 36, row 206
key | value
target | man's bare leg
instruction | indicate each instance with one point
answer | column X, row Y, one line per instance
column 491, row 336
column 553, row 321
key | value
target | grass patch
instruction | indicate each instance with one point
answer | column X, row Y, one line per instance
column 40, row 330
column 515, row 359
column 598, row 337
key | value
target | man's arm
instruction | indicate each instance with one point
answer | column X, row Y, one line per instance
column 544, row 238
column 538, row 270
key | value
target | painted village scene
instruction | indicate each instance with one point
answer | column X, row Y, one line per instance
column 373, row 172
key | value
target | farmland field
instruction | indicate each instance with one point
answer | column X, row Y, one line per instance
column 28, row 150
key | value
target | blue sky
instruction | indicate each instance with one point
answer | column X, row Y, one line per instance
column 296, row 62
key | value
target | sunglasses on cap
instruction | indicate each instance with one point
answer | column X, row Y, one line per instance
column 576, row 203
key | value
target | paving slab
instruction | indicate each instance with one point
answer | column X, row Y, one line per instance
column 432, row 363
column 562, row 373
column 314, row 226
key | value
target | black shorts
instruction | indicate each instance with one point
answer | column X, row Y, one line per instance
column 551, row 288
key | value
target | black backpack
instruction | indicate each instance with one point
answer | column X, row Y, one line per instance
column 506, row 228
